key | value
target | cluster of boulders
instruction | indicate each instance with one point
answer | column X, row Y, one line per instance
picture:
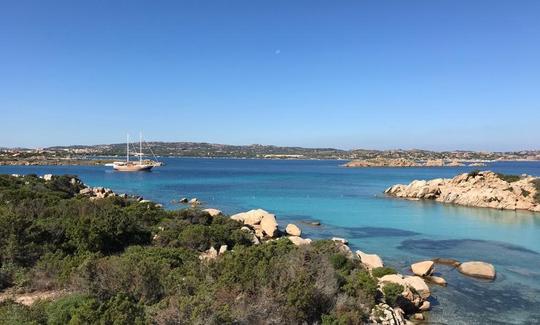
column 263, row 225
column 482, row 189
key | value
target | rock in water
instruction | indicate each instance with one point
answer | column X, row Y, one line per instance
column 371, row 261
column 293, row 230
column 340, row 240
column 418, row 284
column 478, row 270
column 436, row 279
column 422, row 268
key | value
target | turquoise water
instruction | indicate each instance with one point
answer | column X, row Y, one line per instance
column 350, row 203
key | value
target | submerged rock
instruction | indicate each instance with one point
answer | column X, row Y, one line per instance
column 436, row 280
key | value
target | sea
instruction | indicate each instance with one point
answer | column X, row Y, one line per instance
column 350, row 203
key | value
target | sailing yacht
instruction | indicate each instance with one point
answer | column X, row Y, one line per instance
column 133, row 166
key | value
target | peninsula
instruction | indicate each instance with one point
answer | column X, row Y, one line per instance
column 484, row 189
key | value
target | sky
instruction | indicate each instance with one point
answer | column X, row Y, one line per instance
column 381, row 74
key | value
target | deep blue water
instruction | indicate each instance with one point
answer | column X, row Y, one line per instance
column 350, row 203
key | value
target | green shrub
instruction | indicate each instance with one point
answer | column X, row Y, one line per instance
column 341, row 263
column 536, row 184
column 509, row 178
column 66, row 309
column 382, row 271
column 391, row 292
column 361, row 284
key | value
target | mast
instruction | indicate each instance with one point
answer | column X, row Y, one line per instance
column 140, row 148
column 127, row 148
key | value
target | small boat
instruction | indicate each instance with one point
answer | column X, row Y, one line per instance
column 133, row 166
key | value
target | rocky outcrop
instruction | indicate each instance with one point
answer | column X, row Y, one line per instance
column 293, row 230
column 477, row 269
column 252, row 217
column 482, row 189
column 384, row 314
column 263, row 225
column 382, row 162
column 371, row 261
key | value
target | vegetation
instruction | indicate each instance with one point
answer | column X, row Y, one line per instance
column 119, row 261
column 391, row 293
column 536, row 184
column 509, row 178
column 382, row 271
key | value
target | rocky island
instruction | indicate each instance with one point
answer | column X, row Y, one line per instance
column 484, row 189
column 404, row 162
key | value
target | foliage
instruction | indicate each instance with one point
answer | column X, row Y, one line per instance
column 536, row 184
column 509, row 178
column 379, row 272
column 391, row 293
column 123, row 262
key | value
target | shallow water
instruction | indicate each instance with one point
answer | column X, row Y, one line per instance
column 350, row 203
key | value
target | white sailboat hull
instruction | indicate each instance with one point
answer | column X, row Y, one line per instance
column 132, row 167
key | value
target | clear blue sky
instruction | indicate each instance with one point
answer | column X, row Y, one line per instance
column 443, row 74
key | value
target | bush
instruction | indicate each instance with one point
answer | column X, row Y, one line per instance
column 536, row 184
column 509, row 178
column 379, row 272
column 391, row 293
column 361, row 284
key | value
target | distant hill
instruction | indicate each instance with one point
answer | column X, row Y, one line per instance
column 202, row 149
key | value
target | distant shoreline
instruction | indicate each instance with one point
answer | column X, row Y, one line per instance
column 102, row 160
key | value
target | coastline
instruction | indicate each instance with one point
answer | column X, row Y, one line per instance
column 102, row 160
